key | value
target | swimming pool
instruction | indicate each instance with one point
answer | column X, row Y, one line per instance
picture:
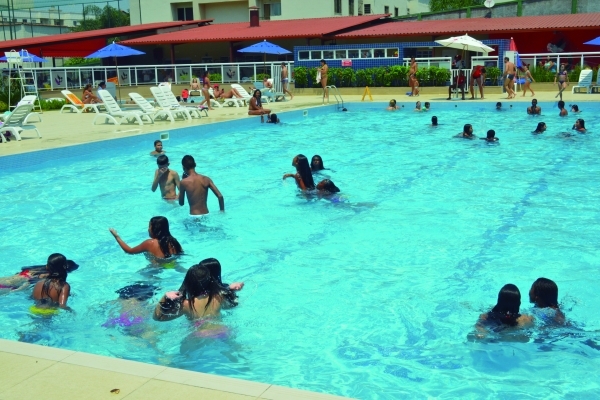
column 371, row 298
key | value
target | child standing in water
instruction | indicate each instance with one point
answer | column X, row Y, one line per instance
column 54, row 290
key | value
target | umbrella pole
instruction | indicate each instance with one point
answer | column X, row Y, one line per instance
column 118, row 80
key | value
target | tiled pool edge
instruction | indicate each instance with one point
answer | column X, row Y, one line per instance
column 153, row 372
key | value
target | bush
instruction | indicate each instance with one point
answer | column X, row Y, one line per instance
column 493, row 73
column 301, row 77
column 216, row 77
column 260, row 77
column 51, row 104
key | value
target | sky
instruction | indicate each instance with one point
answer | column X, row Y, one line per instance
column 67, row 5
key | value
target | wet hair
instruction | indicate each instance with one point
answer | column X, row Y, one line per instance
column 418, row 104
column 427, row 104
column 305, row 173
column 214, row 267
column 198, row 281
column 498, row 104
column 314, row 166
column 546, row 291
column 157, row 142
column 188, row 162
column 575, row 108
column 434, row 121
column 581, row 122
column 140, row 291
column 272, row 118
column 467, row 129
column 561, row 105
column 506, row 310
column 160, row 231
column 57, row 267
column 328, row 186
column 491, row 134
column 540, row 125
column 162, row 160
column 533, row 101
column 392, row 102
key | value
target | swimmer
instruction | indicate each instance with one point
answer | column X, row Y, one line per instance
column 579, row 125
column 54, row 289
column 326, row 186
column 316, row 163
column 196, row 186
column 434, row 121
column 544, row 294
column 467, row 132
column 29, row 276
column 273, row 119
column 158, row 149
column 499, row 106
column 227, row 290
column 534, row 108
column 491, row 136
column 506, row 311
column 392, row 106
column 132, row 311
column 199, row 296
column 541, row 128
column 161, row 244
column 418, row 106
column 575, row 108
column 427, row 106
column 561, row 106
column 166, row 178
column 303, row 175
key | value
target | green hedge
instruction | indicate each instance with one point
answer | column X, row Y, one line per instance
column 379, row 77
column 541, row 74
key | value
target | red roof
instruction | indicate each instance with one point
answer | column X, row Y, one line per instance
column 78, row 44
column 477, row 25
column 239, row 31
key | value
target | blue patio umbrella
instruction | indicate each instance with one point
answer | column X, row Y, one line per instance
column 115, row 50
column 264, row 48
column 594, row 42
column 27, row 57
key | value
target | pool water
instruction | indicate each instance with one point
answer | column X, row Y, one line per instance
column 373, row 297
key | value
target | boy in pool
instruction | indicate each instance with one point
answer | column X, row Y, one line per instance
column 166, row 178
column 158, row 149
column 544, row 294
column 491, row 136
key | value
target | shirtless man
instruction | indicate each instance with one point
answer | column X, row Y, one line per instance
column 166, row 178
column 412, row 77
column 196, row 187
column 323, row 69
column 158, row 149
column 534, row 109
column 509, row 74
column 285, row 80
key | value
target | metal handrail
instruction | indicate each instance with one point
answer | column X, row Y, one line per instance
column 336, row 94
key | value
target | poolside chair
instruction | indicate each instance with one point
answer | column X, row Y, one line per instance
column 113, row 111
column 267, row 95
column 246, row 97
column 234, row 101
column 30, row 99
column 596, row 86
column 15, row 122
column 149, row 110
column 161, row 98
column 75, row 104
column 193, row 111
column 585, row 81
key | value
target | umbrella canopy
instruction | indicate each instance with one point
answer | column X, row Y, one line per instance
column 115, row 50
column 264, row 47
column 465, row 43
column 27, row 57
column 594, row 42
column 513, row 47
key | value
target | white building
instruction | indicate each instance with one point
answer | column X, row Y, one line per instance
column 26, row 23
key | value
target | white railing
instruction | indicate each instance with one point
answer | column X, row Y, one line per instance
column 54, row 78
column 535, row 59
column 441, row 62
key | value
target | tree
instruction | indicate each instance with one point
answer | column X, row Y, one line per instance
column 445, row 5
column 95, row 17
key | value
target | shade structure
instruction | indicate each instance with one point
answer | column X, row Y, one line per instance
column 465, row 43
column 27, row 57
column 115, row 50
column 264, row 47
column 594, row 42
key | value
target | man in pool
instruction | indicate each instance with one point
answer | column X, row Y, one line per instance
column 158, row 149
column 167, row 179
column 534, row 109
column 196, row 186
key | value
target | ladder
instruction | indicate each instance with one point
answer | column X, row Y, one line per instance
column 29, row 87
column 336, row 95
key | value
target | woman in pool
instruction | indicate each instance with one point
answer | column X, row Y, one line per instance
column 506, row 311
column 541, row 128
column 418, row 106
column 575, row 108
column 54, row 289
column 255, row 107
column 29, row 276
column 303, row 175
column 392, row 106
column 544, row 294
column 579, row 125
column 161, row 244
column 326, row 187
column 467, row 132
column 316, row 163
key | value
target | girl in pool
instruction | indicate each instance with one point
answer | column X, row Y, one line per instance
column 579, row 125
column 541, row 127
column 418, row 106
column 303, row 175
column 161, row 244
column 544, row 295
column 575, row 108
column 506, row 311
column 316, row 163
column 54, row 289
column 392, row 106
column 29, row 276
column 467, row 132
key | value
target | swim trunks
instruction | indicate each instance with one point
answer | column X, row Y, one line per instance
column 510, row 76
column 284, row 80
column 197, row 216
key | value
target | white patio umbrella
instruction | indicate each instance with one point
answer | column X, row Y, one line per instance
column 465, row 43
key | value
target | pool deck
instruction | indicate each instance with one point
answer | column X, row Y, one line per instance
column 32, row 371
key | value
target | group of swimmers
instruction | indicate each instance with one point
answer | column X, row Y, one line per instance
column 304, row 175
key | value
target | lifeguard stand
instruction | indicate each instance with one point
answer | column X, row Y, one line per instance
column 24, row 74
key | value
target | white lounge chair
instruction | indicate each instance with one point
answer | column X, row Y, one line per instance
column 193, row 111
column 585, row 81
column 113, row 111
column 596, row 86
column 76, row 104
column 15, row 122
column 246, row 97
column 30, row 99
column 161, row 98
column 148, row 109
column 213, row 101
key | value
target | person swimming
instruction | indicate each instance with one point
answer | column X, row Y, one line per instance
column 161, row 244
column 303, row 175
column 326, row 186
column 499, row 106
column 392, row 105
column 544, row 294
column 316, row 163
column 30, row 276
column 427, row 106
column 561, row 106
column 54, row 289
column 228, row 291
column 418, row 106
column 579, row 125
column 491, row 136
column 467, row 132
column 273, row 119
column 575, row 108
column 434, row 121
column 541, row 128
column 506, row 311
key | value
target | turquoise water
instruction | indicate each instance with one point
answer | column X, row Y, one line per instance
column 373, row 297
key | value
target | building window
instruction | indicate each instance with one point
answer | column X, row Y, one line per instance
column 367, row 9
column 395, row 11
column 24, row 21
column 45, row 21
column 33, row 21
column 386, row 9
column 185, row 14
column 350, row 7
column 75, row 23
column 337, row 6
column 59, row 22
column 276, row 9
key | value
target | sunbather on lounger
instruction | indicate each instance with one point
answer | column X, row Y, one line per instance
column 222, row 94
